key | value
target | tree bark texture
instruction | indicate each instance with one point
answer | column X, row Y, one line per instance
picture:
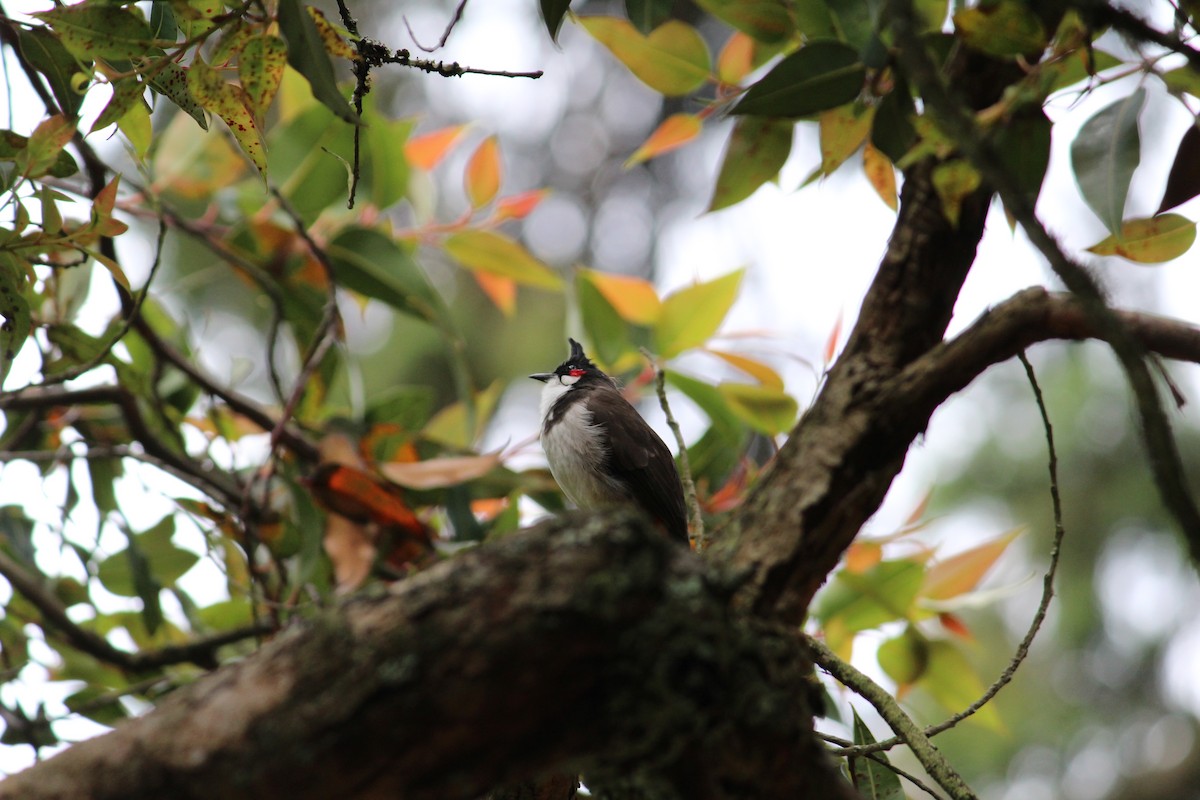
column 587, row 643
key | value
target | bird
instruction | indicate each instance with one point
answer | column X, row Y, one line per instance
column 601, row 451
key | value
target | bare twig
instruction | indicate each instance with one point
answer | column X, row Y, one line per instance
column 689, row 485
column 453, row 69
column 201, row 651
column 458, row 12
column 930, row 757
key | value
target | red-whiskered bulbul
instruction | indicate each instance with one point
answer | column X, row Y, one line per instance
column 600, row 449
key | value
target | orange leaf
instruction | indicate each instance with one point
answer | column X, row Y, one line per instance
column 919, row 511
column 500, row 290
column 674, row 132
column 960, row 573
column 736, row 60
column 427, row 150
column 438, row 473
column 862, row 554
column 482, row 178
column 518, row 206
column 360, row 496
column 832, row 341
column 755, row 369
column 881, row 175
column 731, row 495
column 955, row 625
column 634, row 299
column 488, row 508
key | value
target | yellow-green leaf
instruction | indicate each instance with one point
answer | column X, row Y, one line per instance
column 953, row 682
column 260, row 70
column 92, row 30
column 634, row 299
column 125, row 92
column 673, row 59
column 693, row 314
column 488, row 251
column 229, row 103
column 674, row 132
column 842, row 131
column 1006, row 28
column 171, row 81
column 954, row 181
column 482, row 176
column 135, row 124
column 767, row 409
column 335, row 45
column 1150, row 240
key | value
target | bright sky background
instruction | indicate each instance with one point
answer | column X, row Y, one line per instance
column 810, row 256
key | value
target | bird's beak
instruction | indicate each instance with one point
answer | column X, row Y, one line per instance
column 542, row 376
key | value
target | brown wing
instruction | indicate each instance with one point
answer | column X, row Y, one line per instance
column 641, row 461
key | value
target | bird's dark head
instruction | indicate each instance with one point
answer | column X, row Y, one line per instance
column 577, row 369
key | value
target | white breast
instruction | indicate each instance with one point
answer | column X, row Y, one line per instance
column 576, row 451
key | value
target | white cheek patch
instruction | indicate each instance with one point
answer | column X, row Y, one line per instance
column 567, row 380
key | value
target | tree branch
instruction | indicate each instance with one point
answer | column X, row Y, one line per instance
column 639, row 670
column 201, row 651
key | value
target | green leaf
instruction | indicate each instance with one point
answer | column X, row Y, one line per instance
column 893, row 132
column 1104, row 155
column 553, row 12
column 306, row 52
column 497, row 254
column 758, row 148
column 766, row 21
column 767, row 409
column 884, row 593
column 13, row 144
column 1182, row 80
column 87, row 701
column 14, row 308
column 646, row 15
column 385, row 171
column 954, row 181
column 821, row 75
column 872, row 779
column 608, row 333
column 1005, row 28
column 1150, row 240
column 904, row 657
column 691, row 315
column 171, row 81
column 99, row 31
column 48, row 56
column 102, row 473
column 1023, row 145
column 374, row 265
column 673, row 59
column 1183, row 182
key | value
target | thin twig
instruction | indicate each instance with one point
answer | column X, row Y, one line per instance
column 846, row 744
column 685, row 468
column 458, row 12
column 453, row 69
column 127, row 320
column 930, row 757
column 200, row 651
column 1039, row 617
